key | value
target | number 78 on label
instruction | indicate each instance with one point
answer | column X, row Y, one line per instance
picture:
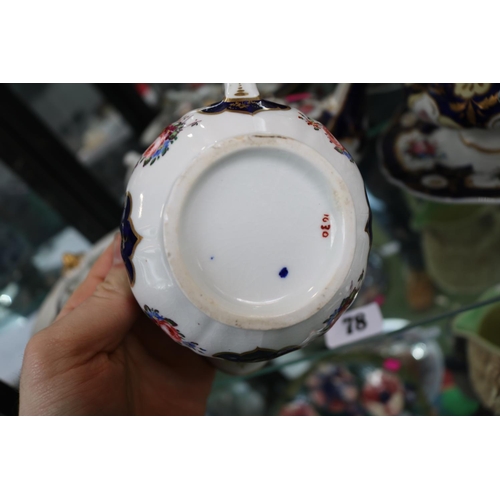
column 354, row 325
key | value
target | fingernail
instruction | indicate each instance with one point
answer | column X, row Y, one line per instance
column 117, row 255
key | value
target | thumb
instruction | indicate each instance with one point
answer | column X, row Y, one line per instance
column 100, row 322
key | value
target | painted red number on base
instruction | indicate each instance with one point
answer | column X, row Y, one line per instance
column 325, row 229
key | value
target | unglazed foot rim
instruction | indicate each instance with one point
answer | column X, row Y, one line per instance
column 244, row 233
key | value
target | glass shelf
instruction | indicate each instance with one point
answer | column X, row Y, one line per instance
column 318, row 351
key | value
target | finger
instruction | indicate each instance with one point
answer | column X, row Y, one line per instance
column 98, row 324
column 96, row 275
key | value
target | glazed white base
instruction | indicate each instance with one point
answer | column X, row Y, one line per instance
column 260, row 232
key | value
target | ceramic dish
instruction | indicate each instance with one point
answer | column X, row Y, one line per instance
column 442, row 164
column 456, row 105
column 246, row 229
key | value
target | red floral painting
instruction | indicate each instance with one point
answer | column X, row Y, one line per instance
column 170, row 328
column 319, row 126
column 163, row 142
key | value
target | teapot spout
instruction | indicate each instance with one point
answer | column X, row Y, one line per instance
column 241, row 91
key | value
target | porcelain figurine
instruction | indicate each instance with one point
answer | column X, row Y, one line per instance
column 246, row 229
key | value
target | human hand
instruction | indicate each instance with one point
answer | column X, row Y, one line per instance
column 103, row 356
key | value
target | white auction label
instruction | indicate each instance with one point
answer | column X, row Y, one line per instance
column 355, row 324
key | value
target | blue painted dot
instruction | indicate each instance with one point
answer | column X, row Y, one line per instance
column 284, row 272
column 211, row 258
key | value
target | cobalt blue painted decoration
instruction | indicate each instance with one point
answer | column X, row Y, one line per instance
column 130, row 239
column 258, row 354
column 284, row 272
column 170, row 328
column 457, row 105
column 349, row 124
column 455, row 183
column 249, row 107
column 368, row 226
column 344, row 305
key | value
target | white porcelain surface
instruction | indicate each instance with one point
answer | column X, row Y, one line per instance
column 251, row 230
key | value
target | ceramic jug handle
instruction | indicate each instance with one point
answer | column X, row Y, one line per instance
column 241, row 91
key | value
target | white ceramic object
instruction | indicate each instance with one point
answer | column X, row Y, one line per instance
column 442, row 164
column 246, row 229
